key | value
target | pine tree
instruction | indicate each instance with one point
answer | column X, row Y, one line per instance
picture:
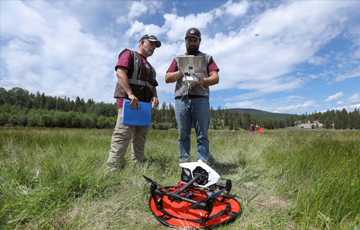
column 281, row 124
column 231, row 124
column 337, row 122
column 48, row 103
column 344, row 119
column 215, row 122
column 172, row 118
column 163, row 112
column 38, row 100
column 42, row 101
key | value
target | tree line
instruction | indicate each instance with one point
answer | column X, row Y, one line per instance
column 20, row 108
column 337, row 119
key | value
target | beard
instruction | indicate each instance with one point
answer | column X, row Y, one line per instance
column 148, row 50
column 192, row 49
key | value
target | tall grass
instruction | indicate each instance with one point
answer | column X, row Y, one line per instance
column 322, row 172
column 57, row 178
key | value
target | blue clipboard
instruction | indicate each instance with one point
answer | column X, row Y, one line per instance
column 138, row 116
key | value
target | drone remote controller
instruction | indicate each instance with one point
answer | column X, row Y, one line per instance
column 188, row 78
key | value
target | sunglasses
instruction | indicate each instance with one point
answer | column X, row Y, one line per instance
column 149, row 37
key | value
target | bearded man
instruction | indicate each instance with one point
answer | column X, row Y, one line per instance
column 192, row 105
column 136, row 82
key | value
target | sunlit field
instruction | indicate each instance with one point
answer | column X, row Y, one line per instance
column 53, row 178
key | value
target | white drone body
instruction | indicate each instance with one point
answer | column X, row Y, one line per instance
column 191, row 168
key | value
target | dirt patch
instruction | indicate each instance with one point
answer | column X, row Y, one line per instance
column 308, row 124
column 272, row 202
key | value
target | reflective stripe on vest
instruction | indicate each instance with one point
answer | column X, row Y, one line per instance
column 140, row 82
column 133, row 80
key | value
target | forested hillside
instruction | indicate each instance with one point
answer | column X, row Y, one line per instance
column 18, row 107
column 263, row 115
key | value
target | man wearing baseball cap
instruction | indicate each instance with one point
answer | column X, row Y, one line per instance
column 136, row 82
column 192, row 105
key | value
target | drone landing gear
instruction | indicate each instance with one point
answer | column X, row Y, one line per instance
column 199, row 211
column 188, row 206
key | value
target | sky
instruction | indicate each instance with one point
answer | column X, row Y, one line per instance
column 305, row 59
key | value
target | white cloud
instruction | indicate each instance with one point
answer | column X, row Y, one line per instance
column 139, row 29
column 122, row 19
column 58, row 93
column 334, row 97
column 260, row 63
column 243, row 96
column 136, row 9
column 293, row 108
column 348, row 108
column 355, row 106
column 176, row 26
column 312, row 76
column 351, row 74
column 244, row 104
column 19, row 20
column 316, row 60
column 55, row 57
column 236, row 9
column 294, row 97
column 354, row 98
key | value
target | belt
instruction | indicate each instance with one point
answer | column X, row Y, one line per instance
column 188, row 96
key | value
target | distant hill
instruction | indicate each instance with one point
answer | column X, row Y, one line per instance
column 259, row 114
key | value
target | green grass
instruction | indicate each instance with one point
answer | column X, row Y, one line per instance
column 57, row 178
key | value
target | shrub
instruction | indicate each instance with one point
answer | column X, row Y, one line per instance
column 4, row 118
column 161, row 126
column 33, row 118
column 46, row 120
column 69, row 118
column 103, row 122
column 59, row 119
column 14, row 118
column 112, row 122
column 87, row 121
column 76, row 120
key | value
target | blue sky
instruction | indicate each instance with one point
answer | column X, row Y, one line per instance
column 305, row 59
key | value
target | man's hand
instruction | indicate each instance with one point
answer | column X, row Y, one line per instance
column 213, row 79
column 134, row 101
column 200, row 82
column 155, row 100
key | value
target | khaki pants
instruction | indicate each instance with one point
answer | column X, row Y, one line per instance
column 120, row 141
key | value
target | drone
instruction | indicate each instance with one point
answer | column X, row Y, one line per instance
column 195, row 201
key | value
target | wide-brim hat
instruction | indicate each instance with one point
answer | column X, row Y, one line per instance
column 151, row 38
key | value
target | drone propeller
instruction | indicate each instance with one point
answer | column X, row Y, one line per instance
column 214, row 195
column 153, row 182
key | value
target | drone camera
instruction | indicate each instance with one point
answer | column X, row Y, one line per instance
column 186, row 175
column 203, row 180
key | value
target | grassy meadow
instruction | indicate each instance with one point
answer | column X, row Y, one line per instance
column 52, row 178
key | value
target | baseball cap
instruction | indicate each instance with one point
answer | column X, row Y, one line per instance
column 151, row 38
column 193, row 32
